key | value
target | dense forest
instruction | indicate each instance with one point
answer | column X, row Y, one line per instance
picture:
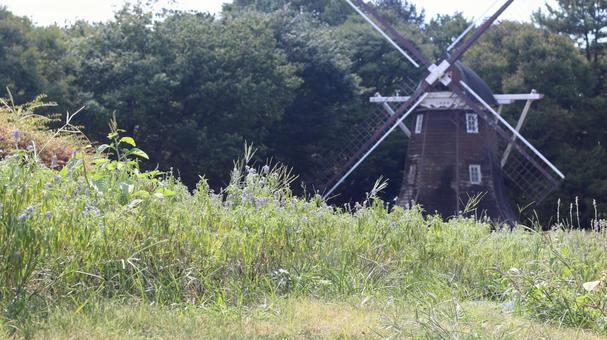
column 294, row 77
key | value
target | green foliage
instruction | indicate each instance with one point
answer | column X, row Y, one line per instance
column 101, row 228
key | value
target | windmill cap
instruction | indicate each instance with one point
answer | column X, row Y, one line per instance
column 476, row 83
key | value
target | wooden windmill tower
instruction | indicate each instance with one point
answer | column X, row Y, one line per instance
column 460, row 146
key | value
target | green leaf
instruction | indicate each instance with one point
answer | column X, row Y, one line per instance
column 139, row 153
column 165, row 192
column 581, row 300
column 102, row 148
column 128, row 140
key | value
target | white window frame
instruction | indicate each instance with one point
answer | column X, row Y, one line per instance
column 419, row 124
column 471, row 123
column 476, row 176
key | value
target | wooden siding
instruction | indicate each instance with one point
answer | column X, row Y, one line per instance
column 441, row 155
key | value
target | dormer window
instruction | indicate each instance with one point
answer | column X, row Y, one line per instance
column 471, row 123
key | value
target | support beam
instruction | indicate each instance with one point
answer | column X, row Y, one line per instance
column 518, row 128
column 514, row 132
column 401, row 125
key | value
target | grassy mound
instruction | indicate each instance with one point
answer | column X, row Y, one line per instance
column 98, row 229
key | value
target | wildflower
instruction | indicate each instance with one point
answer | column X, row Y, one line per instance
column 261, row 201
column 25, row 214
column 265, row 169
column 88, row 208
column 246, row 196
column 250, row 170
column 47, row 215
column 57, row 178
column 47, row 185
column 16, row 135
column 30, row 147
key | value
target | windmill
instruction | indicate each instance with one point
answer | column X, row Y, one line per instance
column 460, row 146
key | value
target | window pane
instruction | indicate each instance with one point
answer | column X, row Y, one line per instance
column 471, row 123
column 475, row 174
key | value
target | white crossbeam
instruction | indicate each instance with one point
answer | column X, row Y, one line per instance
column 502, row 99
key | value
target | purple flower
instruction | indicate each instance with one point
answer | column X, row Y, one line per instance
column 265, row 169
column 261, row 201
column 25, row 214
column 48, row 215
column 88, row 208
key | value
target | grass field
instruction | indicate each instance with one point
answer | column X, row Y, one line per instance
column 100, row 249
column 298, row 318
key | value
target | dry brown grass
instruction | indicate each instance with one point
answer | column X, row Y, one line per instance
column 35, row 133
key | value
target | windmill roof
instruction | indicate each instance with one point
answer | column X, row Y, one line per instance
column 476, row 83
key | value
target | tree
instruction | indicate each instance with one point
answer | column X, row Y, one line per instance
column 404, row 11
column 442, row 30
column 317, row 125
column 19, row 59
column 191, row 88
column 586, row 22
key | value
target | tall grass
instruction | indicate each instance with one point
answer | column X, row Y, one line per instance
column 101, row 228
